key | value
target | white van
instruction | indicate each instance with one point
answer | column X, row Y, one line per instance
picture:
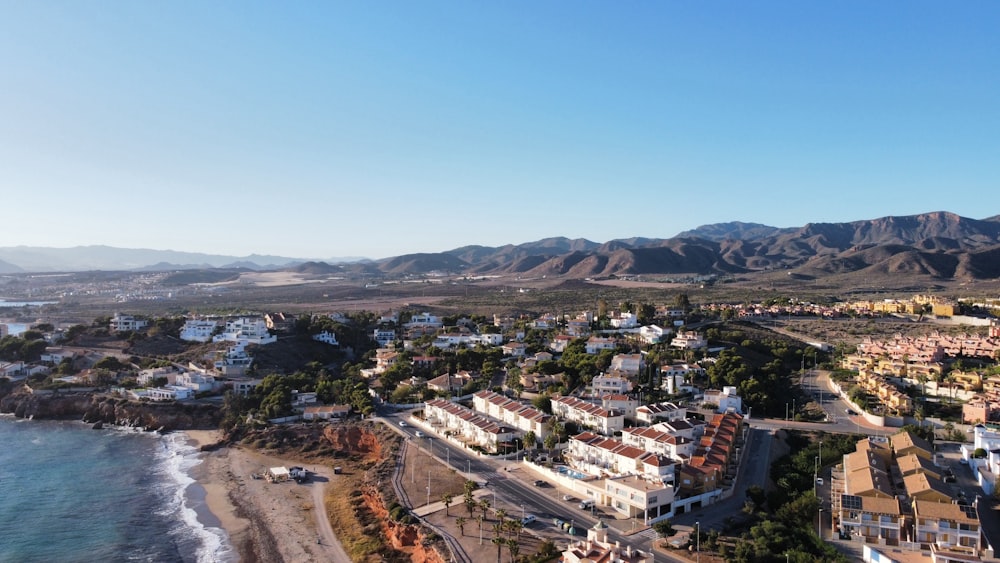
column 586, row 504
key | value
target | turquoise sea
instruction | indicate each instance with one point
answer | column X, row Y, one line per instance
column 70, row 493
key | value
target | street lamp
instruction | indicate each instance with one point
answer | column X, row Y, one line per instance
column 697, row 542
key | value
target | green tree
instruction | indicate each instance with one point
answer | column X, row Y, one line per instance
column 446, row 500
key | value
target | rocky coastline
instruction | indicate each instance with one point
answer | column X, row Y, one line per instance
column 100, row 408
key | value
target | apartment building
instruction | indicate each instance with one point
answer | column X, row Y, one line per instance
column 468, row 426
column 599, row 455
column 590, row 415
column 518, row 415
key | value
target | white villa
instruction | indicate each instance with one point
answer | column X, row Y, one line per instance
column 630, row 364
column 689, row 340
column 198, row 330
column 246, row 330
column 652, row 334
column 726, row 400
column 603, row 384
column 124, row 323
column 326, row 337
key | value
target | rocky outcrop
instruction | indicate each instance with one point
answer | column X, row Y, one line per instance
column 94, row 408
column 410, row 539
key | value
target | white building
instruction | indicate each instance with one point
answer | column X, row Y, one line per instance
column 384, row 336
column 624, row 320
column 597, row 549
column 603, row 384
column 726, row 400
column 630, row 364
column 424, row 320
column 169, row 393
column 198, row 330
column 448, row 417
column 326, row 337
column 689, row 340
column 673, row 376
column 596, row 343
column 650, row 439
column 591, row 415
column 656, row 412
column 600, row 455
column 508, row 411
column 653, row 334
column 125, row 323
column 246, row 330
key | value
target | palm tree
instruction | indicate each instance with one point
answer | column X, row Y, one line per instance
column 501, row 514
column 460, row 522
column 498, row 539
column 485, row 505
column 514, row 548
column 446, row 499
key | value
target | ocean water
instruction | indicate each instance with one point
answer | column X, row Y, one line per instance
column 69, row 493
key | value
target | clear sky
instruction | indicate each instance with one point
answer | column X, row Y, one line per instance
column 329, row 129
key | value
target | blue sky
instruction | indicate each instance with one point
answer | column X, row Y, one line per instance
column 330, row 129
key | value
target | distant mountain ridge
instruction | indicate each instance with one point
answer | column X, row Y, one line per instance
column 937, row 245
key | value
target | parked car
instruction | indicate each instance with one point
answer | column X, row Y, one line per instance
column 539, row 483
column 419, row 434
column 567, row 497
column 850, row 412
column 586, row 504
column 402, row 423
column 529, row 519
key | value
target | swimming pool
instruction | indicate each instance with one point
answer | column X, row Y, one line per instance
column 562, row 469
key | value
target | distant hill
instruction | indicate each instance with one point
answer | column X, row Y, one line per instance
column 937, row 245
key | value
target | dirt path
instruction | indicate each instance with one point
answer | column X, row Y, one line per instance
column 331, row 545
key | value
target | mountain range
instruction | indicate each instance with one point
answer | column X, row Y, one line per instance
column 938, row 245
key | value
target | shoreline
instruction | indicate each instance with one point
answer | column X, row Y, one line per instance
column 265, row 522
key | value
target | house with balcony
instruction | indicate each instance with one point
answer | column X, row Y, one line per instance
column 725, row 400
column 578, row 328
column 872, row 520
column 597, row 549
column 673, row 376
column 523, row 418
column 246, row 330
column 326, row 337
column 599, row 455
column 653, row 334
column 470, row 427
column 653, row 413
column 198, row 330
column 596, row 343
column 590, row 415
column 515, row 349
column 949, row 530
column 620, row 402
column 628, row 364
column 384, row 336
column 624, row 320
column 126, row 323
column 603, row 384
column 651, row 439
column 689, row 340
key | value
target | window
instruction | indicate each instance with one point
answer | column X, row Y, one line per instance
column 652, row 500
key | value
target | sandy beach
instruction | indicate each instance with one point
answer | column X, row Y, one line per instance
column 266, row 522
